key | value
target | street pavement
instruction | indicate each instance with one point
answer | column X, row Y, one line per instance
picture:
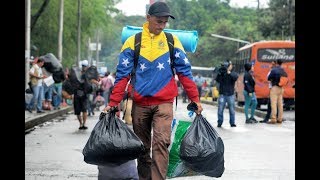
column 53, row 149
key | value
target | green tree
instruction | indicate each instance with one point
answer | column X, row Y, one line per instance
column 96, row 14
column 275, row 21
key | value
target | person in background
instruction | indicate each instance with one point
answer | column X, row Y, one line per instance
column 91, row 105
column 36, row 79
column 154, row 89
column 106, row 85
column 58, row 78
column 226, row 79
column 276, row 93
column 48, row 87
column 249, row 94
column 80, row 98
column 199, row 80
column 267, row 117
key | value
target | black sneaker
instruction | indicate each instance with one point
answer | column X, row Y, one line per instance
column 219, row 125
column 233, row 125
column 249, row 121
column 28, row 109
column 40, row 111
column 80, row 127
column 264, row 121
column 253, row 120
column 84, row 127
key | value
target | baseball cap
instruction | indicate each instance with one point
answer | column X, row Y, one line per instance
column 159, row 9
column 226, row 63
column 85, row 63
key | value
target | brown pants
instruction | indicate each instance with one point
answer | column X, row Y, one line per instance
column 157, row 118
column 276, row 103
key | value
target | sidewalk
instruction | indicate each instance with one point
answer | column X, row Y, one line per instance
column 34, row 118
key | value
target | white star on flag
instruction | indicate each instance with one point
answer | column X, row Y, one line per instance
column 160, row 66
column 125, row 62
column 169, row 62
column 142, row 67
column 177, row 55
column 186, row 61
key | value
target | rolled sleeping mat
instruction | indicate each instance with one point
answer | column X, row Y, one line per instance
column 188, row 39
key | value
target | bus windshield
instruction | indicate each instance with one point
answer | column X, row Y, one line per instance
column 272, row 54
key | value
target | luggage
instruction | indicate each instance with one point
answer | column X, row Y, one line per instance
column 51, row 63
column 67, row 88
column 75, row 77
column 177, row 167
column 111, row 141
column 202, row 148
column 58, row 76
column 127, row 170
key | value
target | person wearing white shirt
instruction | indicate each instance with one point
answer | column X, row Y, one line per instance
column 36, row 78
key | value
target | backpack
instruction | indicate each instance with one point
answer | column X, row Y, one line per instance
column 283, row 81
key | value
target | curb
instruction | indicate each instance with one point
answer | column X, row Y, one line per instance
column 257, row 112
column 45, row 117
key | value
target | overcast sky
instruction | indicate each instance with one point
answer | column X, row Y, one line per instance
column 137, row 7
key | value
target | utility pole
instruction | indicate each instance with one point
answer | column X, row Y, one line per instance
column 60, row 30
column 27, row 40
column 89, row 51
column 97, row 47
column 79, row 32
column 291, row 18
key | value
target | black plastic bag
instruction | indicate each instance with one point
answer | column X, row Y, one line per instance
column 67, row 86
column 127, row 170
column 58, row 76
column 92, row 73
column 202, row 148
column 51, row 63
column 75, row 77
column 111, row 141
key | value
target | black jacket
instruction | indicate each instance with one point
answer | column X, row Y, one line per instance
column 226, row 83
column 248, row 82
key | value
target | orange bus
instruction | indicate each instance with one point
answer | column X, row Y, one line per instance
column 261, row 54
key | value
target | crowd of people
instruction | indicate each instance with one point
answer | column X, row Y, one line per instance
column 45, row 91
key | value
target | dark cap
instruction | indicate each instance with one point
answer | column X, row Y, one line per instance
column 159, row 9
column 226, row 63
column 247, row 66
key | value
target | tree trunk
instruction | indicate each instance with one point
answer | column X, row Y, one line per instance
column 60, row 30
column 38, row 14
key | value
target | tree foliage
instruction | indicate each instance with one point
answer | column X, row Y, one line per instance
column 206, row 16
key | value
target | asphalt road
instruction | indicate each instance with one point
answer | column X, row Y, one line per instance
column 53, row 151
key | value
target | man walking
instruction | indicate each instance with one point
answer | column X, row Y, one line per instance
column 154, row 89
